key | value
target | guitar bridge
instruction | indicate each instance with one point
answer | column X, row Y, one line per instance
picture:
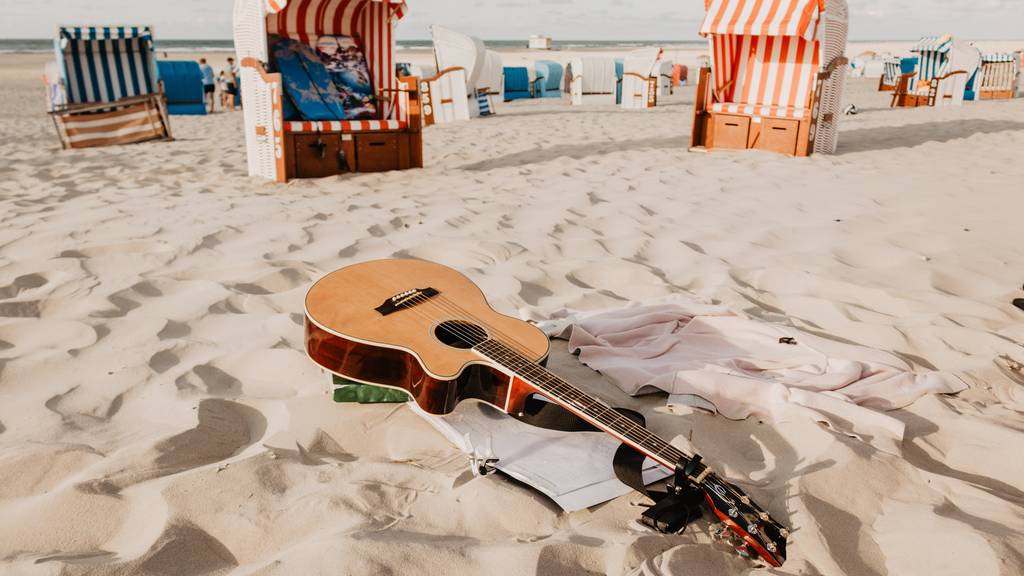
column 406, row 299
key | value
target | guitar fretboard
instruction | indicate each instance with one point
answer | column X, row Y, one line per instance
column 584, row 405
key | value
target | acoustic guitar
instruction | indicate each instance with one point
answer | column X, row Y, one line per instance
column 428, row 330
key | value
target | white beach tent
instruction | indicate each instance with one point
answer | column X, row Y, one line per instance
column 483, row 72
column 592, row 80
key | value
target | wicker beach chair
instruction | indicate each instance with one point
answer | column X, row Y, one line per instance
column 946, row 67
column 998, row 77
column 281, row 148
column 108, row 91
column 481, row 70
column 890, row 75
column 776, row 77
column 640, row 78
column 592, row 81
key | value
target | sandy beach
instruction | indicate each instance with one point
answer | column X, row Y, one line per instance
column 158, row 414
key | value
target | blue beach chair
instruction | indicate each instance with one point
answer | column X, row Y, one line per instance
column 517, row 84
column 183, row 87
column 549, row 79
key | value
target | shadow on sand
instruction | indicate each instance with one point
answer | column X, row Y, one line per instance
column 576, row 152
column 891, row 137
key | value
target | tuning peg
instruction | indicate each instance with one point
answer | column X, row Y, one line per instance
column 733, row 512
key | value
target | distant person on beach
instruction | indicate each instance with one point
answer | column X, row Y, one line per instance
column 222, row 86
column 209, row 84
column 232, row 84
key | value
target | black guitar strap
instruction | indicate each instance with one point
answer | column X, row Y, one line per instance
column 676, row 504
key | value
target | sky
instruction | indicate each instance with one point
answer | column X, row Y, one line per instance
column 516, row 19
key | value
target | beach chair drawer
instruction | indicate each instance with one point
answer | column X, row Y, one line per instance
column 317, row 155
column 378, row 152
column 731, row 131
column 779, row 135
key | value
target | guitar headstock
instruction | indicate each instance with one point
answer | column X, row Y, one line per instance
column 753, row 531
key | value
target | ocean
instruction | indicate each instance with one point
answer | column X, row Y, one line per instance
column 30, row 46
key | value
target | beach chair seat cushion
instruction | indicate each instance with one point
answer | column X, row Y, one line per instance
column 309, row 127
column 770, row 111
column 347, row 67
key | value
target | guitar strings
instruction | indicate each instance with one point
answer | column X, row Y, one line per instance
column 620, row 424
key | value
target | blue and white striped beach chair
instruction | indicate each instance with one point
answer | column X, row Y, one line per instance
column 890, row 75
column 112, row 93
column 945, row 69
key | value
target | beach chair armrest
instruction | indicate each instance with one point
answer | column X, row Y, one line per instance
column 441, row 73
column 719, row 92
column 938, row 79
column 835, row 64
column 260, row 69
column 640, row 76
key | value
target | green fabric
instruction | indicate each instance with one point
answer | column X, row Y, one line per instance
column 349, row 391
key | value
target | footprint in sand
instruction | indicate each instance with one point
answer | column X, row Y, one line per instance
column 182, row 549
column 223, row 428
column 20, row 284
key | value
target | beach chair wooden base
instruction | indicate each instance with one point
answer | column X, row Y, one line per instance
column 125, row 121
column 884, row 87
column 997, row 95
column 323, row 154
column 742, row 132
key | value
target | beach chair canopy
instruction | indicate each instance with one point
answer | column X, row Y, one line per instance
column 934, row 54
column 369, row 22
column 484, row 68
column 106, row 64
column 797, row 18
column 766, row 54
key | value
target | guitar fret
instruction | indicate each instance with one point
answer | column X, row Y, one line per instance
column 571, row 397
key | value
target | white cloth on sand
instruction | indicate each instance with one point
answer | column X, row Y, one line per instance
column 745, row 367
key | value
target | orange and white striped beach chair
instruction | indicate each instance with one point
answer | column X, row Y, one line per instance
column 279, row 149
column 776, row 77
column 104, row 87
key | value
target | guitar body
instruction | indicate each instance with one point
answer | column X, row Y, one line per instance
column 412, row 350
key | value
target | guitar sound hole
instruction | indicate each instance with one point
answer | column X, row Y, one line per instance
column 459, row 334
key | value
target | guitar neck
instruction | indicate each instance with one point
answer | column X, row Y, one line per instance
column 591, row 409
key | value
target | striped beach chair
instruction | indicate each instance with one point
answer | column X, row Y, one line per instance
column 110, row 93
column 997, row 79
column 279, row 149
column 946, row 66
column 890, row 75
column 776, row 77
